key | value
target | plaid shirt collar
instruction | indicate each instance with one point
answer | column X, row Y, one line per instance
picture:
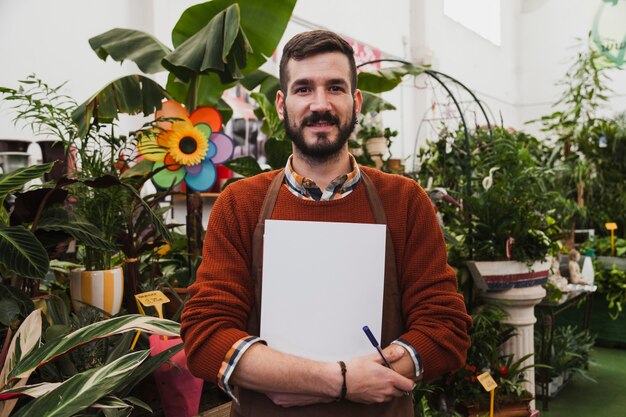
column 338, row 188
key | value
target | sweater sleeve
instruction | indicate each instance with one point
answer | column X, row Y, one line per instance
column 216, row 314
column 437, row 321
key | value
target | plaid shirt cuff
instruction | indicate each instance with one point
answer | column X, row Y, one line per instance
column 417, row 361
column 230, row 362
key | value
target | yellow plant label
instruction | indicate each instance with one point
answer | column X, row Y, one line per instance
column 487, row 381
column 152, row 298
column 610, row 226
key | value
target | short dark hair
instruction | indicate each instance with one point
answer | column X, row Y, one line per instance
column 311, row 43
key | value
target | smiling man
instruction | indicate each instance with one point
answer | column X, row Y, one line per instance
column 425, row 324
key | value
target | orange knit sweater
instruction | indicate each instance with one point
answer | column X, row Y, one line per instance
column 216, row 314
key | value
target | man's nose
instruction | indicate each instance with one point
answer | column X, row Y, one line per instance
column 320, row 101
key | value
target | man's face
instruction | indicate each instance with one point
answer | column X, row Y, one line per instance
column 319, row 109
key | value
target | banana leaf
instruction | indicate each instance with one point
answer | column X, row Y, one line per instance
column 220, row 46
column 262, row 21
column 140, row 47
column 373, row 103
column 387, row 79
column 131, row 94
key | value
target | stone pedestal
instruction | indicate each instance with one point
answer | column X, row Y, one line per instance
column 520, row 304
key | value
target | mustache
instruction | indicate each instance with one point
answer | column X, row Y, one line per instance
column 317, row 117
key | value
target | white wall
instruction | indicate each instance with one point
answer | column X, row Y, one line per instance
column 516, row 79
column 549, row 48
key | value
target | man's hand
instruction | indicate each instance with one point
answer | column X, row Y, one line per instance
column 369, row 381
column 400, row 360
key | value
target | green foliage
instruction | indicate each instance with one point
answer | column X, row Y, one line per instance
column 487, row 336
column 387, row 79
column 591, row 170
column 602, row 246
column 611, row 281
column 81, row 360
column 511, row 193
column 569, row 351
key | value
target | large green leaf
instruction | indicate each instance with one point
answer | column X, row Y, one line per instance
column 373, row 103
column 246, row 166
column 84, row 389
column 22, row 253
column 272, row 125
column 268, row 84
column 220, row 46
column 263, row 22
column 131, row 94
column 15, row 180
column 386, row 79
column 57, row 219
column 140, row 47
column 116, row 325
column 277, row 152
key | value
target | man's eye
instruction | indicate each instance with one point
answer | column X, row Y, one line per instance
column 302, row 90
column 336, row 89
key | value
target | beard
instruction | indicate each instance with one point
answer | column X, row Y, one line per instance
column 324, row 149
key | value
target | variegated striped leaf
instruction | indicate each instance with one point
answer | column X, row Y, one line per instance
column 84, row 389
column 28, row 336
column 99, row 330
column 35, row 390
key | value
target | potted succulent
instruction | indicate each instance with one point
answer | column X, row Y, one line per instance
column 507, row 206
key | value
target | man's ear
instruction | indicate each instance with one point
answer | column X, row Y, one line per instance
column 280, row 104
column 358, row 101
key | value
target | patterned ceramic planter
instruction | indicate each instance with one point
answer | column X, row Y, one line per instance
column 502, row 275
column 102, row 289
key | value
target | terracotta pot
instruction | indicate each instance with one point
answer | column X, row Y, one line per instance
column 502, row 275
column 102, row 289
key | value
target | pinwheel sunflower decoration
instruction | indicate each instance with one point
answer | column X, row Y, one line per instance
column 186, row 147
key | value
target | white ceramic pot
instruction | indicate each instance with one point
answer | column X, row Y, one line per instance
column 376, row 146
column 102, row 289
column 502, row 275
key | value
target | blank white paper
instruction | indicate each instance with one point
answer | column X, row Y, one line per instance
column 322, row 282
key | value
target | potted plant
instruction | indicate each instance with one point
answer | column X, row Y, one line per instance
column 73, row 363
column 370, row 141
column 569, row 356
column 505, row 227
column 461, row 389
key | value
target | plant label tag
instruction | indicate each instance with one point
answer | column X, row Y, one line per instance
column 487, row 381
column 151, row 298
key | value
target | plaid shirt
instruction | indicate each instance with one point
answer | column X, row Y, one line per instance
column 306, row 189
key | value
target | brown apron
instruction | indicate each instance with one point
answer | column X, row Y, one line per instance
column 255, row 404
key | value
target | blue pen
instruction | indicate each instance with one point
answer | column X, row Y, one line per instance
column 372, row 339
column 374, row 342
